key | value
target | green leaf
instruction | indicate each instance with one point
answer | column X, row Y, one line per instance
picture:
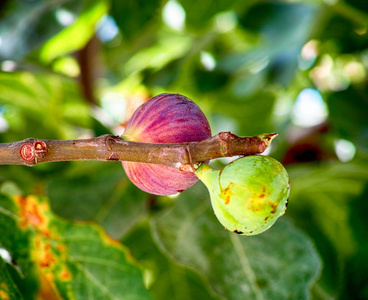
column 356, row 266
column 78, row 34
column 284, row 28
column 29, row 24
column 40, row 105
column 253, row 115
column 199, row 13
column 339, row 28
column 98, row 191
column 72, row 260
column 237, row 267
column 320, row 202
column 8, row 290
column 326, row 191
column 145, row 13
column 352, row 128
column 165, row 278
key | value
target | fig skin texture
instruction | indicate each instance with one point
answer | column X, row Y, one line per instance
column 165, row 118
column 249, row 194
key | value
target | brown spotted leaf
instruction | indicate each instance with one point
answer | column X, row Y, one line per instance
column 71, row 260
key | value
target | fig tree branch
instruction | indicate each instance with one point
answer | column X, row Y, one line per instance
column 182, row 156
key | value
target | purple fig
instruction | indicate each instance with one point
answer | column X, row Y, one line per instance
column 165, row 118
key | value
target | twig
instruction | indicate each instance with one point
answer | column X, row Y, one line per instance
column 181, row 156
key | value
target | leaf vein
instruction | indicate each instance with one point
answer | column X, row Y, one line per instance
column 189, row 221
column 99, row 261
column 245, row 265
column 9, row 214
column 95, row 281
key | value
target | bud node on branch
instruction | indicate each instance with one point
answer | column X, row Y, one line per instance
column 27, row 152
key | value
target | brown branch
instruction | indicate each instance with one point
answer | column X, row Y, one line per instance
column 90, row 66
column 182, row 156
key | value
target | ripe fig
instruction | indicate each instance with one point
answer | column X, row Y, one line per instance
column 249, row 194
column 166, row 118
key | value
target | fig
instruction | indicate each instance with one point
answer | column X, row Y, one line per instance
column 165, row 118
column 249, row 194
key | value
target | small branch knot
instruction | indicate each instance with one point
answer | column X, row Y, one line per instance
column 40, row 148
column 188, row 168
column 110, row 140
column 225, row 138
column 31, row 152
column 27, row 152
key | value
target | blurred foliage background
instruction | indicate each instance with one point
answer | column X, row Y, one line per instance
column 77, row 69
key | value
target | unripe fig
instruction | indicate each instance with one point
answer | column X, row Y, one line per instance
column 249, row 194
column 166, row 118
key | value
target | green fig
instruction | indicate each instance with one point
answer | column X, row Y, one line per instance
column 249, row 194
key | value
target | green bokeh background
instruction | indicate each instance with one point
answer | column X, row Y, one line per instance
column 76, row 69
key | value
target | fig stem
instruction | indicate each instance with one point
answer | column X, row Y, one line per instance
column 107, row 147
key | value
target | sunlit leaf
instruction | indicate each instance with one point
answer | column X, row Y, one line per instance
column 199, row 13
column 71, row 260
column 173, row 45
column 42, row 105
column 279, row 264
column 78, row 34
